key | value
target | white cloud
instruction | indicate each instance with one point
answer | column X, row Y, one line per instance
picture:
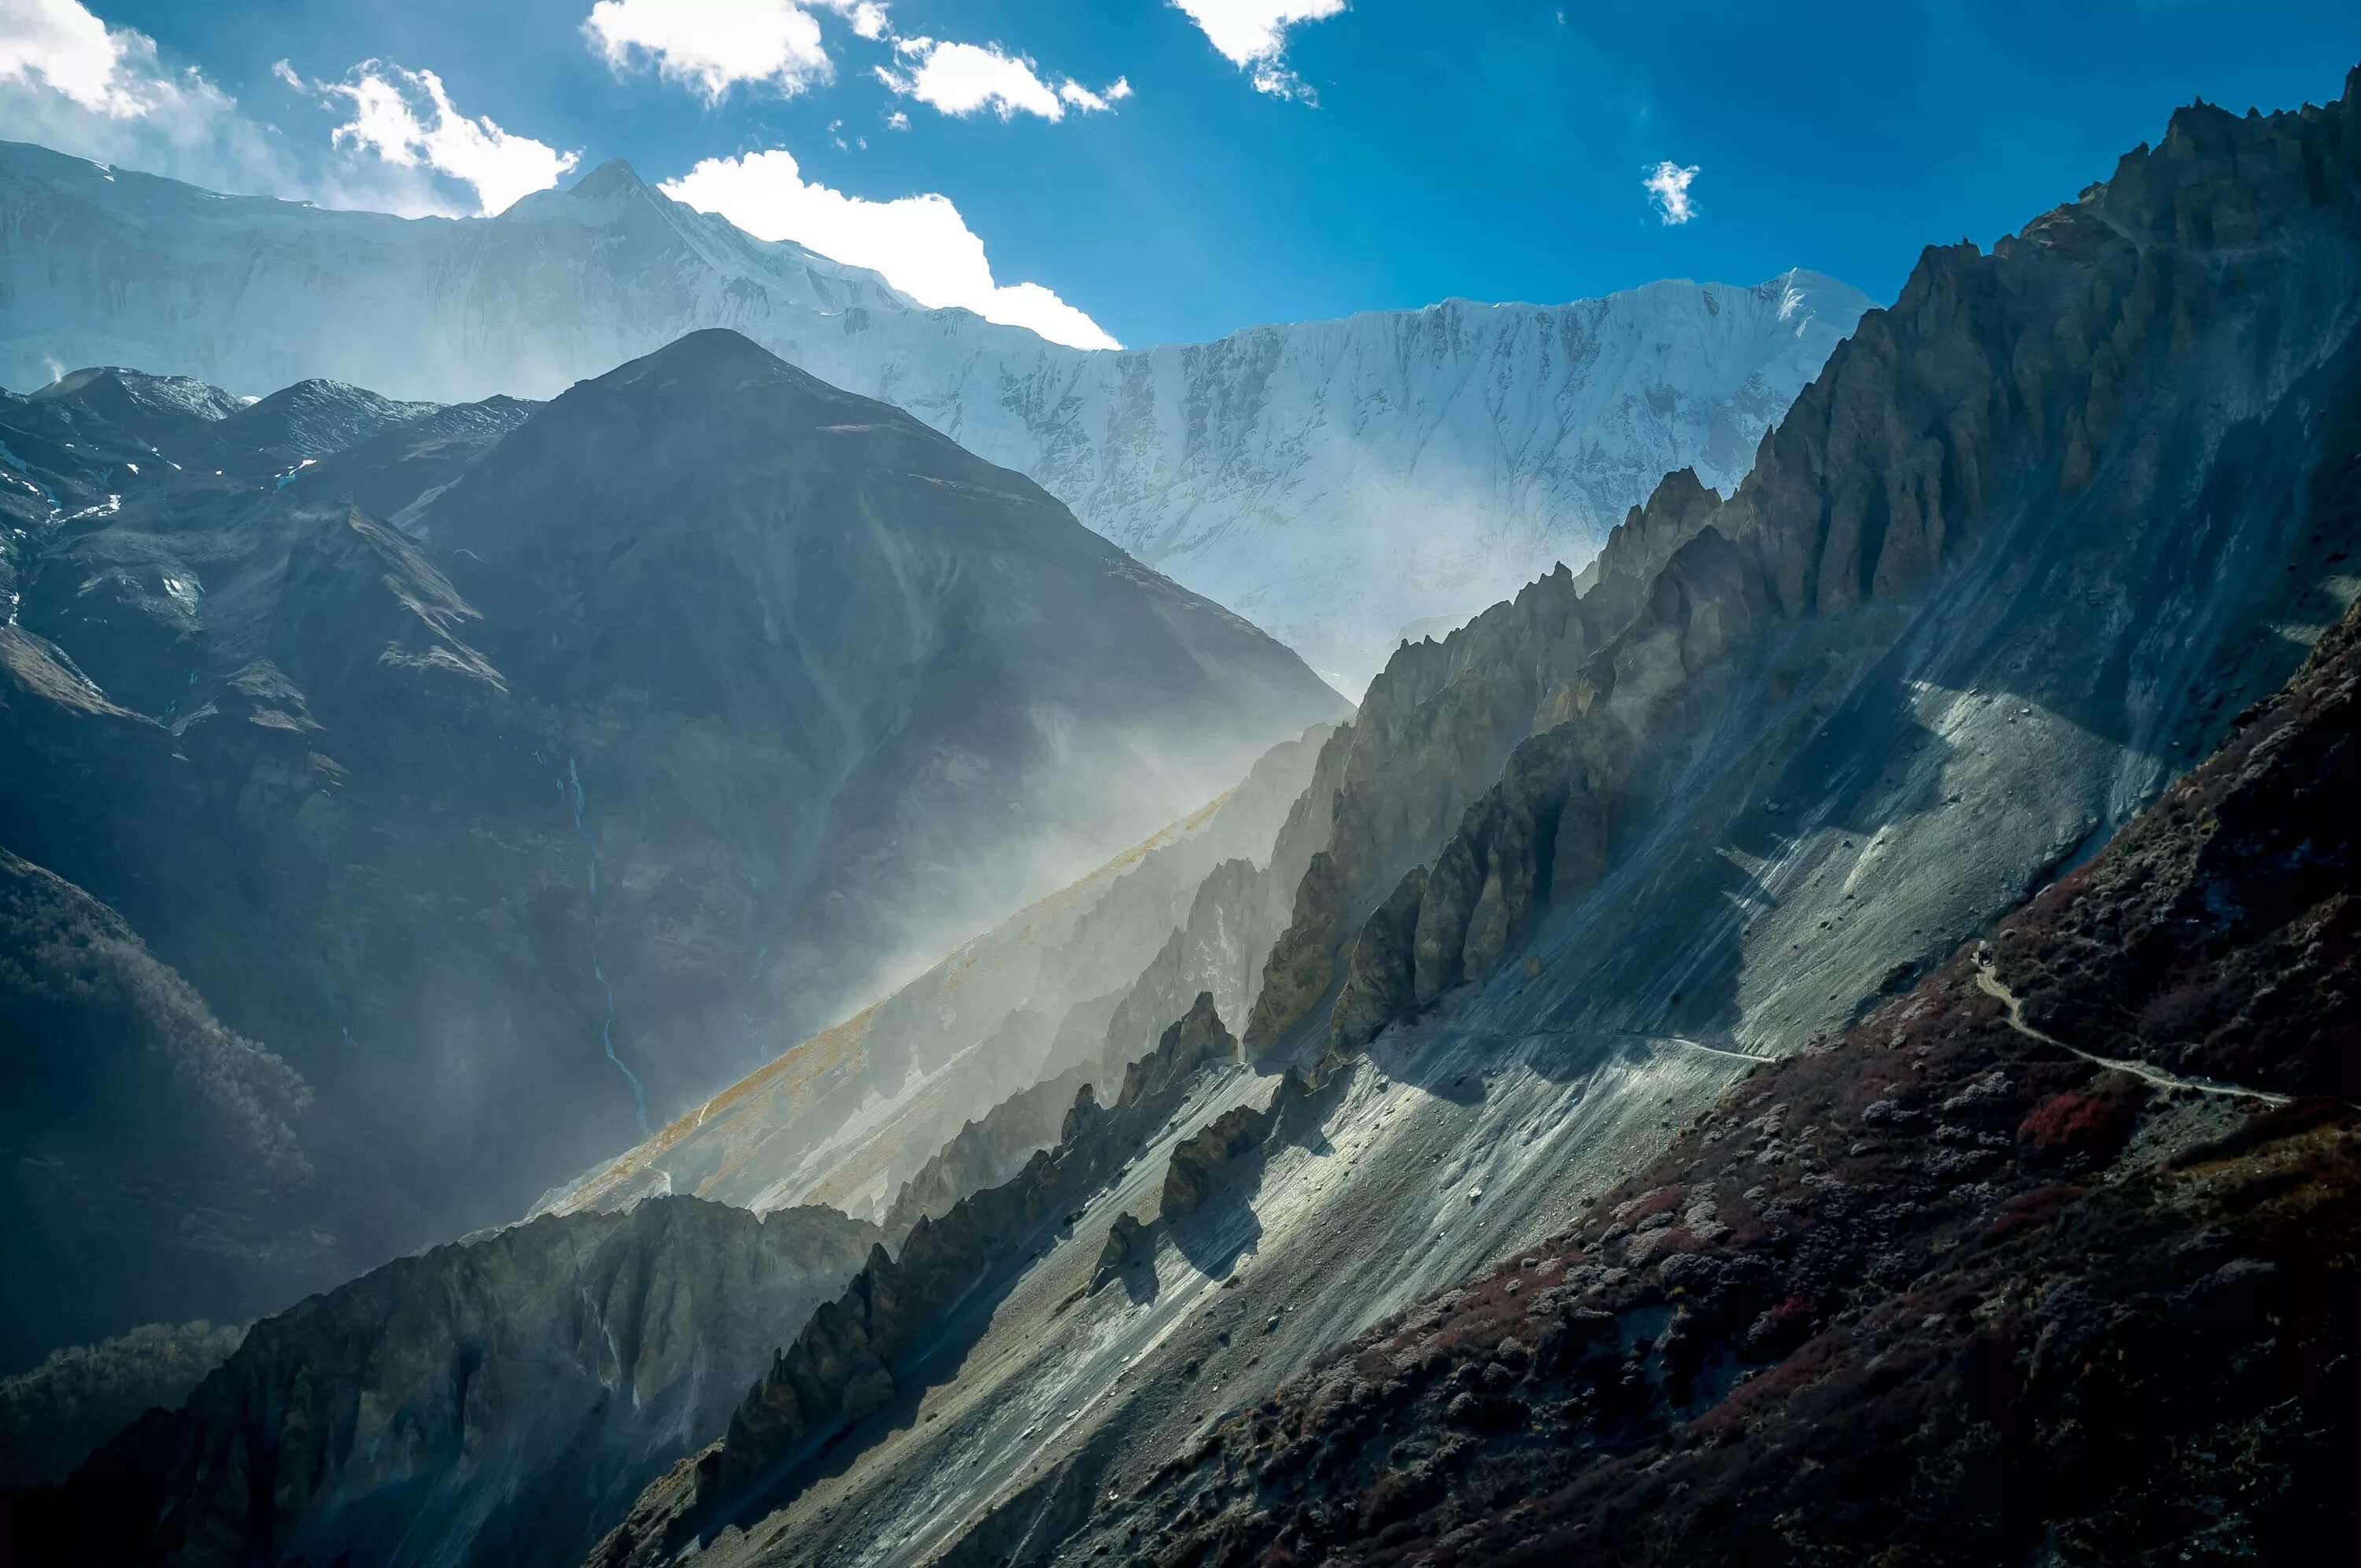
column 711, row 46
column 72, row 51
column 868, row 17
column 1252, row 35
column 1091, row 102
column 1668, row 185
column 961, row 78
column 406, row 119
column 70, row 82
column 920, row 244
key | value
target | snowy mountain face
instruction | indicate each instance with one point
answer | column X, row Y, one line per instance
column 1333, row 481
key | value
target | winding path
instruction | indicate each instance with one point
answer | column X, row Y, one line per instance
column 1990, row 983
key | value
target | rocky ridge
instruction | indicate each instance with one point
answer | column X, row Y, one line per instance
column 1065, row 992
column 1997, row 390
column 859, row 1351
column 1797, row 745
column 1947, row 1287
column 487, row 1401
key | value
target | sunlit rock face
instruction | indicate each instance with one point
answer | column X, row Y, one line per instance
column 500, row 786
column 1339, row 483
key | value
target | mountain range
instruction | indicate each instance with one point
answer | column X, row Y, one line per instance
column 1335, row 482
column 1720, row 838
column 1824, row 1035
column 576, row 756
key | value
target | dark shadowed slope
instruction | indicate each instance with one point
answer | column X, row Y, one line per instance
column 488, row 1401
column 941, row 689
column 129, row 1110
column 519, row 776
column 54, row 1415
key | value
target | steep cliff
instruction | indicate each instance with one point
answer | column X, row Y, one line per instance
column 2014, row 437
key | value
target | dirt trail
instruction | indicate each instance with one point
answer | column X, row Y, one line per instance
column 1990, row 983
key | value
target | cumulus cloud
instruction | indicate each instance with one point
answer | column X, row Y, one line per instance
column 58, row 43
column 867, row 17
column 1252, row 35
column 920, row 244
column 961, row 78
column 405, row 119
column 711, row 46
column 1668, row 185
column 68, row 80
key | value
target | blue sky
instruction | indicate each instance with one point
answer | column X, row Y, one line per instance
column 1367, row 155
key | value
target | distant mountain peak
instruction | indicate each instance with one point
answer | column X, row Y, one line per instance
column 166, row 395
column 1332, row 481
column 616, row 177
column 717, row 355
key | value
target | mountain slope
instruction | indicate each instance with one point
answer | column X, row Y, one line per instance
column 1333, row 481
column 55, row 1415
column 679, row 717
column 131, row 1111
column 2017, row 557
column 1946, row 1289
column 849, row 1116
column 482, row 1401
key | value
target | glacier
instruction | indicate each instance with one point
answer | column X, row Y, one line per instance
column 1342, row 483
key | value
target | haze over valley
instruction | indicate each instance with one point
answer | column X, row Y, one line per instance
column 684, row 878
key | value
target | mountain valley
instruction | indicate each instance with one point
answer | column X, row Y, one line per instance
column 1818, row 1028
column 585, row 785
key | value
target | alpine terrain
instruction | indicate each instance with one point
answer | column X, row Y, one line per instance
column 369, row 772
column 1335, row 482
column 1822, row 1033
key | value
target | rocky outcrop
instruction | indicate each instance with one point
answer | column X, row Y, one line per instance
column 1197, row 1161
column 1381, row 983
column 1197, row 1039
column 1870, row 1307
column 1982, row 404
column 852, row 1355
column 1126, row 1244
column 491, row 1401
column 1303, row 962
column 988, row 1151
column 1232, row 919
